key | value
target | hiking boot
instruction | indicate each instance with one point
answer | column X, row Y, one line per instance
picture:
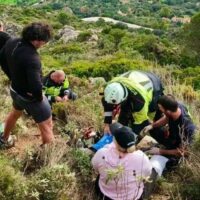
column 7, row 144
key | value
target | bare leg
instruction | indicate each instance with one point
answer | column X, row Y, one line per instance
column 46, row 129
column 10, row 122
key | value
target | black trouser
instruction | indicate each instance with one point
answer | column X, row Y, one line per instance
column 98, row 191
column 161, row 136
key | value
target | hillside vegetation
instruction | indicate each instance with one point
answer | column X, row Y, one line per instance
column 83, row 50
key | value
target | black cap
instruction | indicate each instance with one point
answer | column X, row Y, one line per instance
column 114, row 126
column 124, row 136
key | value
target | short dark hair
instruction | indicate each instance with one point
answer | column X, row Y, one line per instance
column 168, row 102
column 37, row 31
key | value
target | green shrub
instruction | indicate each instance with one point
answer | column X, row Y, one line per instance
column 49, row 61
column 12, row 183
column 84, row 36
column 53, row 183
column 82, row 164
column 66, row 48
column 59, row 110
column 64, row 18
column 107, row 67
column 190, row 191
column 189, row 75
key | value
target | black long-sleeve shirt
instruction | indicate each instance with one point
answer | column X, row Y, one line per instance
column 24, row 67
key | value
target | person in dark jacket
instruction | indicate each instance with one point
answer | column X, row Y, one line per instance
column 56, row 87
column 25, row 71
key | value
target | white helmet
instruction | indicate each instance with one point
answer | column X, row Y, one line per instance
column 115, row 93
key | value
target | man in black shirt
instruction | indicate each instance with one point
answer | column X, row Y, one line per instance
column 24, row 68
column 180, row 131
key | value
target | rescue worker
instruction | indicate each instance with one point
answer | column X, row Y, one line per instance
column 136, row 93
column 56, row 87
column 179, row 134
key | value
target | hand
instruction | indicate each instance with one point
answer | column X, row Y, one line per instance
column 146, row 129
column 58, row 99
column 65, row 98
column 153, row 151
column 107, row 129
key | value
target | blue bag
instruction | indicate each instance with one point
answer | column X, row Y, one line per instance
column 106, row 139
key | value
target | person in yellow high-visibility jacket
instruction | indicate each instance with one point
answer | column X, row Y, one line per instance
column 56, row 87
column 136, row 92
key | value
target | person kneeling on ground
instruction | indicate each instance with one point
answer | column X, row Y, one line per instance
column 179, row 134
column 121, row 168
column 56, row 87
column 136, row 93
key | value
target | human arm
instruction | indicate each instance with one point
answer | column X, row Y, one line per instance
column 97, row 160
column 178, row 152
column 108, row 110
column 161, row 122
column 33, row 72
column 106, row 128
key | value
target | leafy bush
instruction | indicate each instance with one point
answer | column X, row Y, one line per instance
column 107, row 67
column 12, row 183
column 84, row 36
column 189, row 75
column 65, row 18
column 53, row 183
column 81, row 163
column 49, row 61
column 66, row 48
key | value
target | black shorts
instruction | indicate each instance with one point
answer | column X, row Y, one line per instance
column 39, row 110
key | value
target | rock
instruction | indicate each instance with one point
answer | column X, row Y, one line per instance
column 68, row 33
column 68, row 10
column 13, row 29
column 97, row 81
column 94, row 38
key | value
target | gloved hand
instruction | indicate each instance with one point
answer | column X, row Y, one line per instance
column 153, row 151
column 145, row 130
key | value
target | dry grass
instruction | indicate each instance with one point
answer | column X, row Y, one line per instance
column 87, row 111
